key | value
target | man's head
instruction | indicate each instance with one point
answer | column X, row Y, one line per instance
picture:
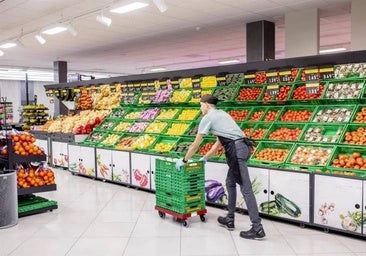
column 208, row 101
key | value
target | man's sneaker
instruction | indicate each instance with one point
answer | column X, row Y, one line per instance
column 252, row 234
column 227, row 221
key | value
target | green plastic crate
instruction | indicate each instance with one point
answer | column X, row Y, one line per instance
column 254, row 116
column 95, row 137
column 182, row 145
column 344, row 90
column 239, row 114
column 345, row 172
column 188, row 114
column 303, row 168
column 205, row 143
column 125, row 142
column 193, row 129
column 347, row 137
column 316, row 100
column 306, row 154
column 288, row 112
column 138, row 127
column 226, row 93
column 333, row 114
column 270, row 145
column 122, row 126
column 133, row 113
column 109, row 140
column 178, row 199
column 157, row 127
column 292, row 126
column 284, row 89
column 260, row 131
column 168, row 114
column 177, row 96
column 255, row 90
column 272, row 114
column 118, row 113
column 349, row 151
column 247, row 128
column 164, row 144
column 322, row 133
column 178, row 128
column 360, row 111
column 107, row 124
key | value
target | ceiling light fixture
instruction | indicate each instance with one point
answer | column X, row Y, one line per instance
column 161, row 5
column 72, row 30
column 157, row 69
column 102, row 19
column 228, row 61
column 55, row 29
column 8, row 45
column 333, row 50
column 40, row 39
column 1, row 53
column 128, row 7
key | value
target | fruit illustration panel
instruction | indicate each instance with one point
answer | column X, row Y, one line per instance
column 104, row 164
column 215, row 188
column 121, row 167
column 140, row 168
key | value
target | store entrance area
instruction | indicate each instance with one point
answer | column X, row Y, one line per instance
column 99, row 218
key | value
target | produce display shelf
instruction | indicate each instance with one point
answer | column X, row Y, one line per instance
column 322, row 133
column 245, row 92
column 271, row 114
column 359, row 115
column 260, row 130
column 239, row 114
column 164, row 144
column 290, row 128
column 32, row 190
column 311, row 154
column 182, row 146
column 348, row 90
column 354, row 134
column 301, row 86
column 284, row 93
column 176, row 96
column 333, row 114
column 271, row 146
column 226, row 94
column 349, row 155
column 296, row 113
column 206, row 145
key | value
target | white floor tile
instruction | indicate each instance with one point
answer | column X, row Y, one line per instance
column 44, row 246
column 319, row 243
column 97, row 218
column 153, row 246
column 110, row 246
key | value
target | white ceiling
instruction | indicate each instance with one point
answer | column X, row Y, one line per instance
column 190, row 34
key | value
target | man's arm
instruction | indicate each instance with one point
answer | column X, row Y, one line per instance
column 193, row 147
column 213, row 149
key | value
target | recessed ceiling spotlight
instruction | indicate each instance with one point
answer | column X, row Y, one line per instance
column 126, row 7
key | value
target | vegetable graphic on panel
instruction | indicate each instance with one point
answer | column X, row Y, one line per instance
column 215, row 192
column 280, row 206
column 353, row 221
column 324, row 211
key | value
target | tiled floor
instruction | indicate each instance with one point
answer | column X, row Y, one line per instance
column 96, row 218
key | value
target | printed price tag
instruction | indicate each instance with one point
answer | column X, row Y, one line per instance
column 145, row 97
column 249, row 79
column 311, row 75
column 312, row 88
column 196, row 94
column 285, row 76
column 163, row 85
column 113, row 88
column 175, row 84
column 221, row 81
column 326, row 73
column 196, row 83
column 273, row 89
column 272, row 78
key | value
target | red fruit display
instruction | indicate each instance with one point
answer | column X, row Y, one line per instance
column 206, row 147
column 249, row 94
column 301, row 94
column 296, row 116
column 285, row 134
column 239, row 115
column 258, row 133
column 23, row 144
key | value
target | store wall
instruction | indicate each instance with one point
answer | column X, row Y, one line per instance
column 12, row 90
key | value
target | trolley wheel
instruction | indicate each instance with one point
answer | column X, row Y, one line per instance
column 185, row 223
column 161, row 214
column 203, row 218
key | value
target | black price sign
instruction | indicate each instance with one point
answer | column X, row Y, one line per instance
column 272, row 78
column 175, row 84
column 137, row 87
column 285, row 76
column 163, row 85
column 196, row 95
column 145, row 97
column 151, row 87
column 49, row 93
column 326, row 73
column 312, row 75
column 113, row 88
column 273, row 89
column 221, row 81
column 249, row 79
column 196, row 83
column 152, row 97
column 312, row 88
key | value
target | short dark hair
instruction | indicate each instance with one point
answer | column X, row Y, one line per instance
column 208, row 98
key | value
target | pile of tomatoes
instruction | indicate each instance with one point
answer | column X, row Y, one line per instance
column 257, row 115
column 271, row 115
column 361, row 116
column 282, row 94
column 258, row 133
column 350, row 161
column 301, row 94
column 272, row 154
column 206, row 147
column 238, row 115
column 285, row 134
column 23, row 144
column 31, row 178
column 249, row 94
column 296, row 116
column 356, row 137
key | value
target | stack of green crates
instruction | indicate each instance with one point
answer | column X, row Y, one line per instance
column 181, row 191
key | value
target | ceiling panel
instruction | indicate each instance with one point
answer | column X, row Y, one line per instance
column 189, row 34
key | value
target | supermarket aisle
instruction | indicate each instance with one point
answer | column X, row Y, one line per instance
column 96, row 218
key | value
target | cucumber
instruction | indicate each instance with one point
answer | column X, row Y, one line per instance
column 287, row 206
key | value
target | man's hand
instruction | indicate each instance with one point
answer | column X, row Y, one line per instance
column 179, row 164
